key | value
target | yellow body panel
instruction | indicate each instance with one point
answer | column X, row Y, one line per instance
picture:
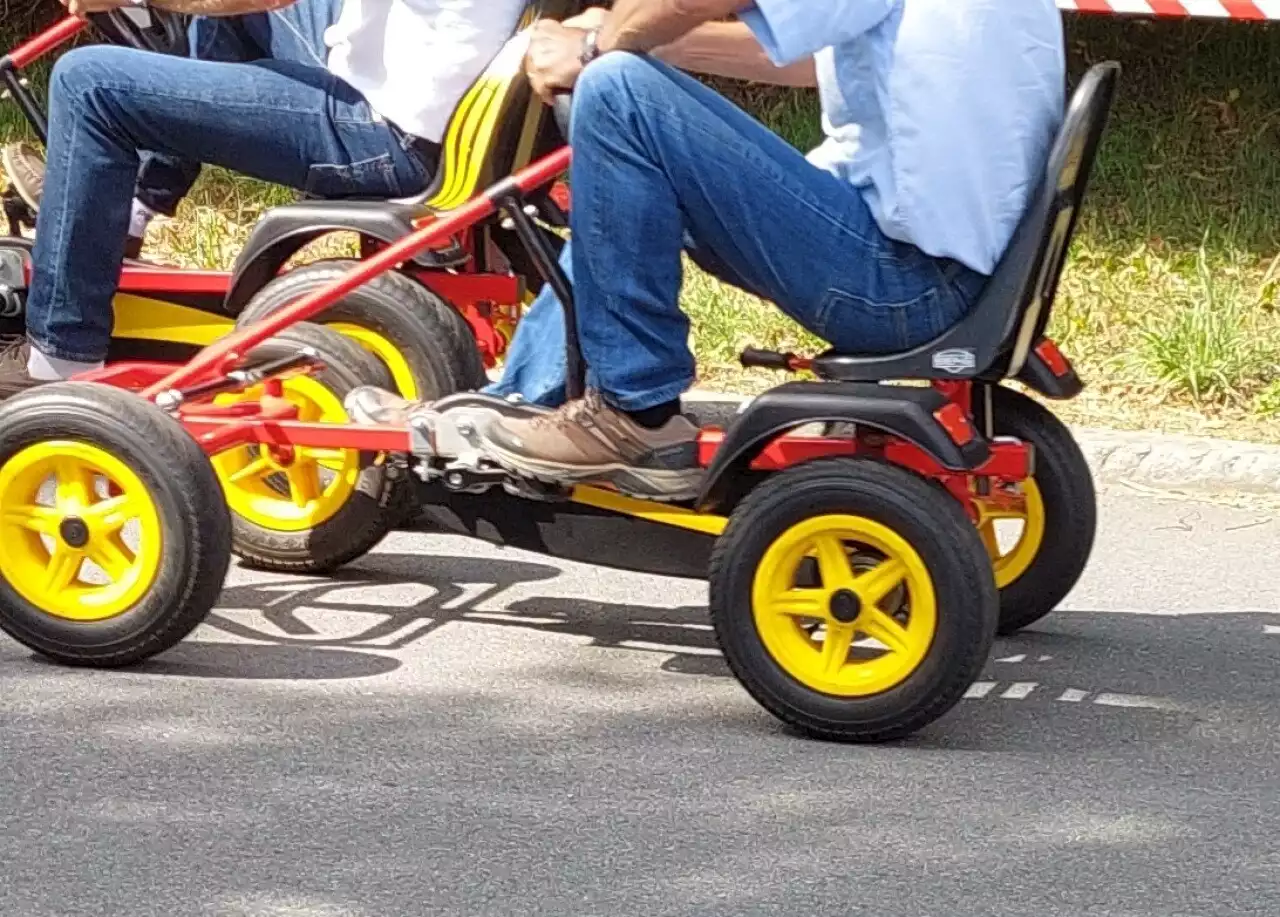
column 142, row 318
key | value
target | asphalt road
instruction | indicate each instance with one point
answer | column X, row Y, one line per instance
column 450, row 730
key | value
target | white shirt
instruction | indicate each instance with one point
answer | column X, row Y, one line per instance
column 414, row 60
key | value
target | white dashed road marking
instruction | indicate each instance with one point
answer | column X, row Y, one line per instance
column 980, row 689
column 1021, row 690
column 1127, row 700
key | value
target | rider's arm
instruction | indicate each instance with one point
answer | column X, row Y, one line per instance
column 219, row 7
column 729, row 49
column 643, row 25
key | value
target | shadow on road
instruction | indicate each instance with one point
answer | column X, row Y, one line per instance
column 1158, row 676
column 1088, row 664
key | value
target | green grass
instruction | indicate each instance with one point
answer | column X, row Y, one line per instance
column 1169, row 304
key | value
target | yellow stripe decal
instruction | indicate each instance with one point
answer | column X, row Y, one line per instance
column 471, row 133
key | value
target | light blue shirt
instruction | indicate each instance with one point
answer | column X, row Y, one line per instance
column 941, row 112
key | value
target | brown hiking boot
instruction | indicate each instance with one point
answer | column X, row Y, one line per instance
column 24, row 165
column 14, row 377
column 588, row 441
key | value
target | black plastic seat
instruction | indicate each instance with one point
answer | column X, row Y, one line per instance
column 993, row 340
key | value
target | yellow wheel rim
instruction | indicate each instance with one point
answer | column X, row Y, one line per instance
column 81, row 533
column 296, row 493
column 1011, row 563
column 387, row 352
column 862, row 624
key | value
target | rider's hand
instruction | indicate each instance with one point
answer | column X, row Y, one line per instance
column 554, row 58
column 85, row 7
column 592, row 18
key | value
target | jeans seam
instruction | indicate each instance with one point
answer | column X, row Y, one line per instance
column 136, row 89
column 275, row 14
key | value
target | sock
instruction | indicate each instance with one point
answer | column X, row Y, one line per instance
column 140, row 217
column 44, row 368
column 656, row 416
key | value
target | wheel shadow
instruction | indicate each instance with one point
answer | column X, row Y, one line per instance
column 350, row 626
column 1071, row 681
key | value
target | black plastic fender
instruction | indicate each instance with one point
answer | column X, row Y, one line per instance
column 902, row 411
column 1037, row 376
column 284, row 231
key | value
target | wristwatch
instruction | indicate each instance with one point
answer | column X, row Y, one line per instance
column 590, row 46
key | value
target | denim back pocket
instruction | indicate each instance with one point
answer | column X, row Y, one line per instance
column 373, row 177
column 855, row 324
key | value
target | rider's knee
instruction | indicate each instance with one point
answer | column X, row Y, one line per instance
column 614, row 82
column 82, row 70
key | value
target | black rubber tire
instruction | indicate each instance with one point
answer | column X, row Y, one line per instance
column 373, row 508
column 931, row 521
column 431, row 334
column 196, row 549
column 1070, row 506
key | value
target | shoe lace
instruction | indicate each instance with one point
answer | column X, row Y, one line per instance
column 10, row 345
column 569, row 414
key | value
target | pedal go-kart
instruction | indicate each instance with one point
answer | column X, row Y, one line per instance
column 430, row 327
column 852, row 586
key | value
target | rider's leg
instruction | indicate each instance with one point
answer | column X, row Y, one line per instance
column 280, row 122
column 534, row 367
column 294, row 33
column 658, row 159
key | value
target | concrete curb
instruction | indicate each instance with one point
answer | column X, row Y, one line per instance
column 1184, row 464
column 1181, row 463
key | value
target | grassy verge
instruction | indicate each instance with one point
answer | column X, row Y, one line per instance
column 1169, row 304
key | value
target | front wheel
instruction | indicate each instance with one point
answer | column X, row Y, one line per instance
column 115, row 537
column 853, row 599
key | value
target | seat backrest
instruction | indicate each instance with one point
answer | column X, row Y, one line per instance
column 994, row 338
column 500, row 125
column 1018, row 298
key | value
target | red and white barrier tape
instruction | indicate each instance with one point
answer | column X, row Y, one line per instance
column 1258, row 10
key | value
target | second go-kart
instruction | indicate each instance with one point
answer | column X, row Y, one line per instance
column 428, row 328
column 854, row 586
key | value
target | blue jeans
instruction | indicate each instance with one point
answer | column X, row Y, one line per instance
column 661, row 165
column 258, row 100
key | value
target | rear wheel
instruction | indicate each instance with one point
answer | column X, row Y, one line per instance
column 852, row 599
column 1042, row 559
column 309, row 510
column 116, row 539
column 424, row 342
